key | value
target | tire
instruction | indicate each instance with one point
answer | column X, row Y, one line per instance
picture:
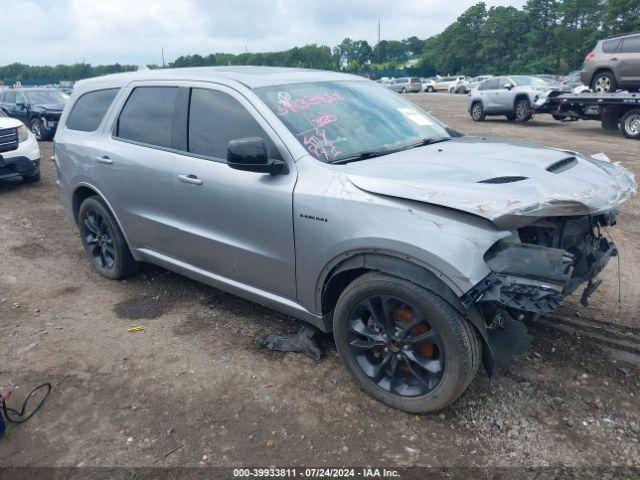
column 604, row 82
column 477, row 112
column 430, row 89
column 610, row 120
column 557, row 117
column 37, row 129
column 461, row 90
column 404, row 90
column 630, row 124
column 35, row 178
column 522, row 110
column 511, row 117
column 95, row 220
column 452, row 355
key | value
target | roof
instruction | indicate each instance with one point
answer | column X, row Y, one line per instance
column 249, row 76
column 621, row 35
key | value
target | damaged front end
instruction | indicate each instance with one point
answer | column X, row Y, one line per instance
column 542, row 263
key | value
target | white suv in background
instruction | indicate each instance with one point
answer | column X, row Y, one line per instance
column 19, row 151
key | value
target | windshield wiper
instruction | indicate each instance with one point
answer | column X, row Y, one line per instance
column 379, row 153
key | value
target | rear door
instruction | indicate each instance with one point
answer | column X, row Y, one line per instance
column 489, row 100
column 628, row 61
column 136, row 166
column 235, row 224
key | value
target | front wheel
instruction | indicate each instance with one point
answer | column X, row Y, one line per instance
column 631, row 124
column 430, row 89
column 403, row 344
column 604, row 82
column 404, row 90
column 523, row 111
column 103, row 241
column 37, row 129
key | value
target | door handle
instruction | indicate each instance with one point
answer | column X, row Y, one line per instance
column 104, row 159
column 614, row 59
column 191, row 179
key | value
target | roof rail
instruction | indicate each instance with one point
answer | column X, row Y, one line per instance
column 620, row 35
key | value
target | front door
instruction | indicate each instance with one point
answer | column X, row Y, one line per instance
column 235, row 224
column 628, row 60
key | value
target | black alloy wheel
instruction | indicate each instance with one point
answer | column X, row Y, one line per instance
column 395, row 346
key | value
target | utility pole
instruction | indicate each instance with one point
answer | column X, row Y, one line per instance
column 378, row 41
column 163, row 58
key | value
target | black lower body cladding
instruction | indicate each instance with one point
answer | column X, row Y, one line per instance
column 550, row 260
column 18, row 167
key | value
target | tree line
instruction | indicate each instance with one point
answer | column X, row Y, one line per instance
column 545, row 36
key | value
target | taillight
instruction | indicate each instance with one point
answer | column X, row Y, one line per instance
column 591, row 56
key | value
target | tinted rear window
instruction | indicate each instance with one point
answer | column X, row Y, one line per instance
column 89, row 110
column 610, row 46
column 147, row 117
column 491, row 84
column 215, row 119
column 630, row 45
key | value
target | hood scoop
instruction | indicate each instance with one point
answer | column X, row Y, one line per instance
column 562, row 165
column 503, row 180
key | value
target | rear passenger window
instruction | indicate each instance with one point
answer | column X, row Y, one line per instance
column 491, row 84
column 630, row 45
column 147, row 117
column 215, row 119
column 89, row 110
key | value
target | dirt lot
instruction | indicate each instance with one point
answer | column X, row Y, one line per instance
column 195, row 381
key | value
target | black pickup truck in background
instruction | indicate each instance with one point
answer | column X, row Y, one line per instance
column 38, row 108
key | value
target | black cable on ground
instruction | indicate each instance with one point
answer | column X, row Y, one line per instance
column 21, row 414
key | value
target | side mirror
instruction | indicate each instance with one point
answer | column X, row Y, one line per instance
column 508, row 86
column 252, row 155
column 20, row 105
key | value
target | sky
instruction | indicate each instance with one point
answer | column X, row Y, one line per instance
column 49, row 32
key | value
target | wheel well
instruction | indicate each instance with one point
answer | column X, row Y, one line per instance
column 522, row 96
column 79, row 196
column 599, row 71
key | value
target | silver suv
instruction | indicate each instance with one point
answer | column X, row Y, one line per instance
column 331, row 199
column 614, row 63
column 516, row 96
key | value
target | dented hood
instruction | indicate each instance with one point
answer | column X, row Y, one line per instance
column 524, row 180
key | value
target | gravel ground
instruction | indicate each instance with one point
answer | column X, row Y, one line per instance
column 194, row 383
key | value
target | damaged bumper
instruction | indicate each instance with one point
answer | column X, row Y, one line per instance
column 546, row 261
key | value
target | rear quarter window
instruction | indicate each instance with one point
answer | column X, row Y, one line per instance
column 630, row 45
column 147, row 117
column 610, row 46
column 89, row 110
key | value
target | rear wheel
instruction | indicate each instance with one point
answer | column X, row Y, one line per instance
column 404, row 90
column 631, row 124
column 523, row 110
column 477, row 112
column 403, row 344
column 430, row 89
column 604, row 82
column 103, row 241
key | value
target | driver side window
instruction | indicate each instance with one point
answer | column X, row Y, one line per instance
column 504, row 81
column 216, row 118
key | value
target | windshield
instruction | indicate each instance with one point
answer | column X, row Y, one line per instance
column 46, row 97
column 533, row 81
column 339, row 120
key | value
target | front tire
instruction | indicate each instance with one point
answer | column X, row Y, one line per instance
column 631, row 124
column 103, row 241
column 522, row 110
column 403, row 344
column 430, row 89
column 477, row 112
column 37, row 129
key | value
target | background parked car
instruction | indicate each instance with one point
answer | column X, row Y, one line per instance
column 405, row 84
column 19, row 151
column 38, row 108
column 428, row 84
column 516, row 96
column 468, row 84
column 614, row 63
column 444, row 83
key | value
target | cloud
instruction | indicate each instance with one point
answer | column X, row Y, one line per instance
column 48, row 32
